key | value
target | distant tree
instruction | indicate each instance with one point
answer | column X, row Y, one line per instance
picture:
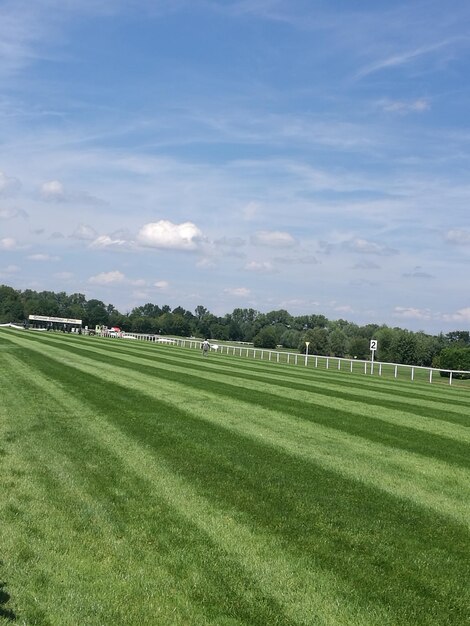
column 266, row 338
column 460, row 337
column 337, row 343
column 318, row 338
column 96, row 313
column 403, row 347
column 11, row 306
column 358, row 347
column 455, row 358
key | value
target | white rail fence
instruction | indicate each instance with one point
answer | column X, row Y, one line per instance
column 371, row 368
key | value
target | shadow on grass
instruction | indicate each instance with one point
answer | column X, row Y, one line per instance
column 4, row 597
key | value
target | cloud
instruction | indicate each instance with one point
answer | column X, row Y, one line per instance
column 165, row 234
column 161, row 284
column 274, row 239
column 107, row 278
column 412, row 313
column 107, row 241
column 84, row 233
column 8, row 243
column 8, row 214
column 42, row 257
column 241, row 292
column 52, row 190
column 401, row 58
column 400, row 106
column 263, row 267
column 458, row 237
column 8, row 185
column 462, row 315
column 363, row 246
column 10, row 269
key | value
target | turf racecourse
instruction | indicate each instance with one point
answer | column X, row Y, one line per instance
column 144, row 484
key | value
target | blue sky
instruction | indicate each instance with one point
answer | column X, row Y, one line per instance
column 305, row 155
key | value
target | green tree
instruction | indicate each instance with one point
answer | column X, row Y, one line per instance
column 266, row 338
column 318, row 338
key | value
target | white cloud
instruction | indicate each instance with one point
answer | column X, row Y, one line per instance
column 400, row 106
column 107, row 278
column 105, row 241
column 264, row 267
column 165, row 234
column 84, row 232
column 273, row 238
column 462, row 315
column 10, row 269
column 161, row 284
column 241, row 292
column 53, row 190
column 412, row 313
column 458, row 236
column 43, row 257
column 8, row 243
column 251, row 211
column 363, row 246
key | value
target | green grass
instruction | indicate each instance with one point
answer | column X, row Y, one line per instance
column 145, row 484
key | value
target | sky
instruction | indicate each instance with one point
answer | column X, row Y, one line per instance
column 307, row 155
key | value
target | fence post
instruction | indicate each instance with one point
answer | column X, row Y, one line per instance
column 380, row 369
column 450, row 379
column 351, row 366
column 365, row 367
column 396, row 370
column 412, row 373
column 278, row 357
column 296, row 359
column 316, row 361
column 430, row 375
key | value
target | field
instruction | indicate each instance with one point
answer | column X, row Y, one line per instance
column 144, row 484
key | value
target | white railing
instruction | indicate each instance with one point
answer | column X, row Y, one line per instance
column 373, row 368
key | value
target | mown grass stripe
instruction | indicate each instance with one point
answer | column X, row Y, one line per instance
column 363, row 409
column 309, row 596
column 425, row 481
column 429, row 437
column 234, row 482
column 84, row 479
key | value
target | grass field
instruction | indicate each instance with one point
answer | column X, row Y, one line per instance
column 144, row 484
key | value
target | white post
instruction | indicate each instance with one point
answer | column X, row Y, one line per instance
column 351, row 366
column 430, row 376
column 278, row 357
column 339, row 364
column 450, row 379
column 327, row 362
column 396, row 370
column 380, row 369
column 296, row 359
column 307, row 343
column 316, row 361
column 288, row 356
column 412, row 373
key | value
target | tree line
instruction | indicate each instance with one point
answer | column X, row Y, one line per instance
column 266, row 330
